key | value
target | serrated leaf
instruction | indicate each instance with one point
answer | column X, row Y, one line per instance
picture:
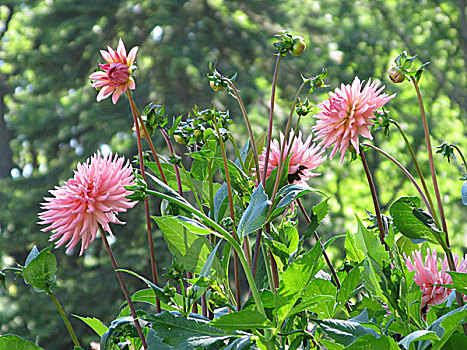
column 255, row 214
column 191, row 250
column 40, row 270
column 295, row 280
column 348, row 286
column 402, row 212
column 243, row 343
column 370, row 342
column 320, row 287
column 155, row 343
column 123, row 327
column 95, row 324
column 369, row 243
column 220, row 202
column 182, row 333
column 13, row 342
column 445, row 326
column 353, row 253
column 242, row 320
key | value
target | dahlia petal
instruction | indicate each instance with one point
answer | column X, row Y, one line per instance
column 116, row 95
column 98, row 75
column 105, row 92
column 131, row 56
column 121, row 50
column 106, row 56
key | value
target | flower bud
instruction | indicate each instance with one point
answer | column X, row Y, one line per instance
column 180, row 139
column 396, row 74
column 214, row 86
column 298, row 46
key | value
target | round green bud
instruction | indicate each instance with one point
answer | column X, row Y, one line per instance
column 198, row 133
column 396, row 74
column 214, row 86
column 298, row 46
column 180, row 139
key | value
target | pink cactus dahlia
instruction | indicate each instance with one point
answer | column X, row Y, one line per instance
column 348, row 113
column 427, row 274
column 94, row 196
column 115, row 76
column 303, row 158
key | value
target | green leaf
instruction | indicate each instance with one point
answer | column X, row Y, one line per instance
column 349, row 284
column 238, row 177
column 344, row 332
column 353, row 253
column 242, row 320
column 249, row 161
column 182, row 333
column 445, row 326
column 402, row 212
column 155, row 343
column 370, row 342
column 417, row 335
column 296, row 279
column 13, row 342
column 191, row 250
column 286, row 196
column 221, row 201
column 243, row 343
column 255, row 214
column 459, row 281
column 320, row 287
column 314, row 302
column 123, row 327
column 194, row 226
column 158, row 291
column 40, row 270
column 95, row 324
column 370, row 244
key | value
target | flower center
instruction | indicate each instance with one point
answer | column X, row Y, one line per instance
column 296, row 176
column 118, row 73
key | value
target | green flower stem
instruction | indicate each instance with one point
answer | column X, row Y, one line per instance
column 375, row 199
column 171, row 152
column 138, row 122
column 267, row 266
column 284, row 145
column 462, row 156
column 123, row 286
column 232, row 212
column 417, row 166
column 248, row 125
column 406, row 172
column 271, row 117
column 432, row 164
column 451, row 263
column 224, row 234
column 62, row 313
column 237, row 151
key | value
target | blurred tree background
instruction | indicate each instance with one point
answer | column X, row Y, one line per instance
column 49, row 119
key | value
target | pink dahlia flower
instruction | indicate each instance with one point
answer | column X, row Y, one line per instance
column 303, row 158
column 427, row 274
column 115, row 76
column 93, row 197
column 347, row 113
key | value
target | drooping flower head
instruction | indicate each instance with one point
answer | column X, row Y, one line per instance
column 347, row 113
column 303, row 158
column 115, row 76
column 95, row 195
column 427, row 274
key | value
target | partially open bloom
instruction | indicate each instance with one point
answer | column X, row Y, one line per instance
column 115, row 76
column 347, row 114
column 303, row 158
column 427, row 274
column 93, row 197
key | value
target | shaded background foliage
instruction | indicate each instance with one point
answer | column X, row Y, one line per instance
column 50, row 119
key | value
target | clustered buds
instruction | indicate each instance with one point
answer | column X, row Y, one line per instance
column 294, row 44
column 381, row 121
column 400, row 69
column 303, row 108
column 198, row 127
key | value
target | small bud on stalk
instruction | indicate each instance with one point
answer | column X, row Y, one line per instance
column 396, row 74
column 298, row 46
